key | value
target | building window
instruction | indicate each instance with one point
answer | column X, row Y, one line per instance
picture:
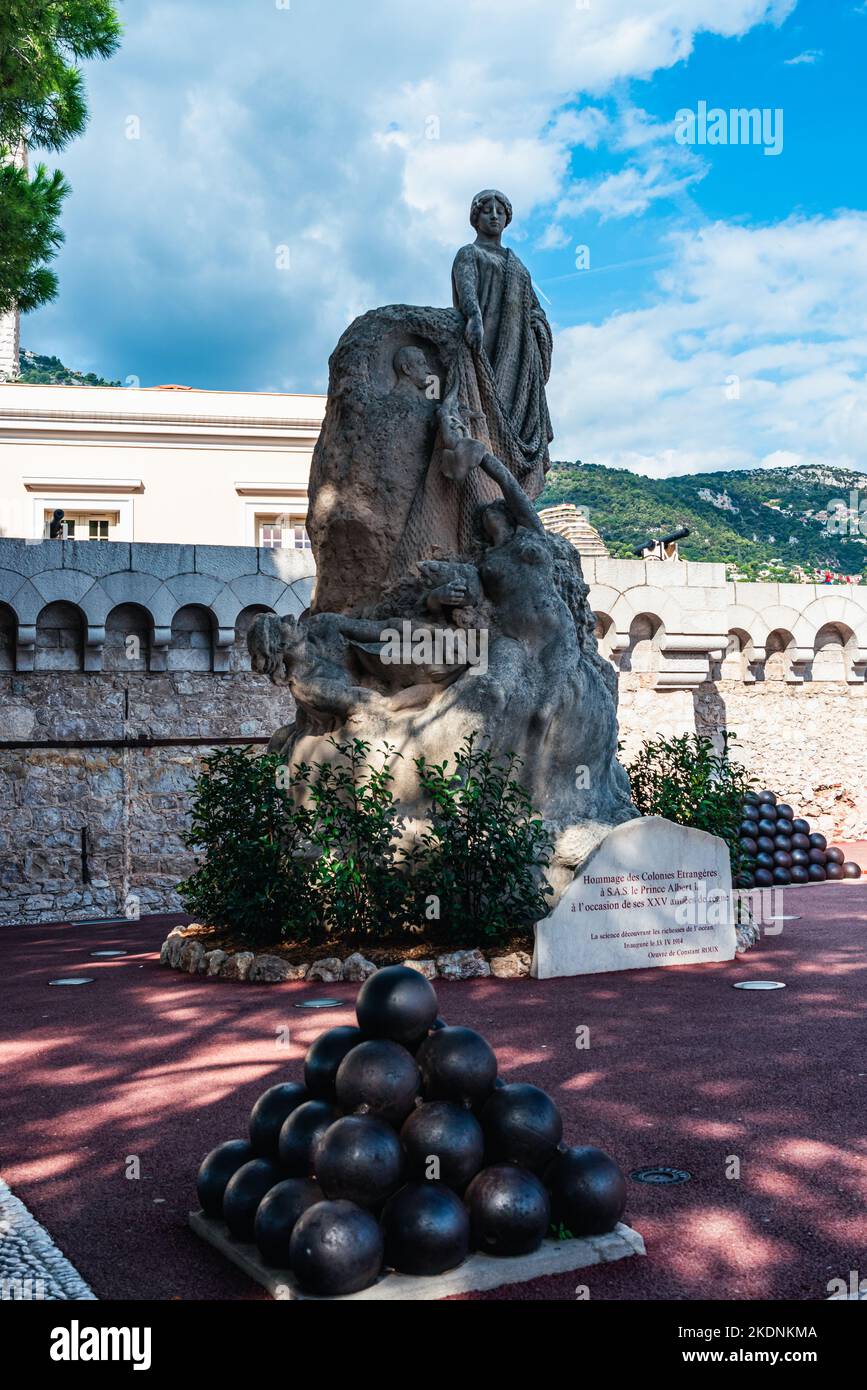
column 86, row 526
column 271, row 536
column 282, row 533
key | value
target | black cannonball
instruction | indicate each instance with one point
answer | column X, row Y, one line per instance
column 378, row 1078
column 766, row 844
column 426, row 1228
column 764, row 878
column 457, row 1064
column 751, row 799
column 816, row 856
column 785, row 824
column 783, row 842
column 782, row 860
column 784, row 810
column 269, row 1112
column 767, row 826
column 300, row 1134
column 445, row 1142
column 751, row 812
column 510, row 1210
column 749, row 847
column 745, row 880
column 522, row 1125
column 764, row 859
column 800, row 856
column 800, row 841
column 816, row 873
column 748, row 829
column 818, row 841
column 244, row 1192
column 359, row 1159
column 801, row 826
column 437, row 1024
column 851, row 869
column 834, row 855
column 324, row 1057
column 834, row 870
column 278, row 1212
column 799, row 874
column 396, row 1003
column 782, row 877
column 768, row 796
column 336, row 1248
column 221, row 1164
column 588, row 1191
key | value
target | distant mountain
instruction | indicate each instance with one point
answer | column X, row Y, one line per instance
column 767, row 523
column 50, row 371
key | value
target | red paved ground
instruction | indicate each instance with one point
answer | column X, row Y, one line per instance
column 682, row 1070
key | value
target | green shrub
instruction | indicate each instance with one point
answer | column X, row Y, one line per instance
column 686, row 780
column 271, row 869
column 251, row 873
column 355, row 824
column 481, row 858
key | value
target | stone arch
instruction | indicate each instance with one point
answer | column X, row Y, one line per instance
column 192, row 643
column 8, row 637
column 780, row 653
column 128, row 636
column 60, row 637
column 239, row 657
column 606, row 634
column 835, row 650
column 646, row 634
column 647, row 599
column 739, row 656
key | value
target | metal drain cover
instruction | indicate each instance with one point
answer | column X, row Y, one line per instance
column 319, row 1004
column 759, row 984
column 660, row 1175
column 109, row 953
column 73, row 980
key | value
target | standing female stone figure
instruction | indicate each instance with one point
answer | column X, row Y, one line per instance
column 508, row 344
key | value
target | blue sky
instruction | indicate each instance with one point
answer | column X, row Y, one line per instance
column 293, row 165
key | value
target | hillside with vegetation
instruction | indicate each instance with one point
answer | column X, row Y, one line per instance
column 50, row 371
column 769, row 523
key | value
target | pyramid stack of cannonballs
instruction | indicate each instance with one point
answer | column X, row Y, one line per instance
column 779, row 847
column 403, row 1150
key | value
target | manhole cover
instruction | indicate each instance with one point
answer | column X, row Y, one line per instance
column 759, row 984
column 319, row 1004
column 109, row 953
column 73, row 980
column 661, row 1175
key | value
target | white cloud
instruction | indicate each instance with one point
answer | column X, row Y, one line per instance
column 810, row 55
column 755, row 354
column 263, row 127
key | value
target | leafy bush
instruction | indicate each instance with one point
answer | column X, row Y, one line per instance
column 686, row 780
column 355, row 826
column 274, row 869
column 252, row 875
column 482, row 856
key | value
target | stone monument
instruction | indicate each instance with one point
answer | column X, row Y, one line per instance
column 442, row 607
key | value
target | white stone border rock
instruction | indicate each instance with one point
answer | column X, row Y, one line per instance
column 182, row 952
column 31, row 1266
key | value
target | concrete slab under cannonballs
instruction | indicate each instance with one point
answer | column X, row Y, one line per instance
column 653, row 893
column 478, row 1272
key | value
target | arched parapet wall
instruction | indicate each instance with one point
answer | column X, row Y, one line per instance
column 159, row 581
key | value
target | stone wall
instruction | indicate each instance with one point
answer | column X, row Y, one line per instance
column 802, row 741
column 96, row 763
column 122, row 664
